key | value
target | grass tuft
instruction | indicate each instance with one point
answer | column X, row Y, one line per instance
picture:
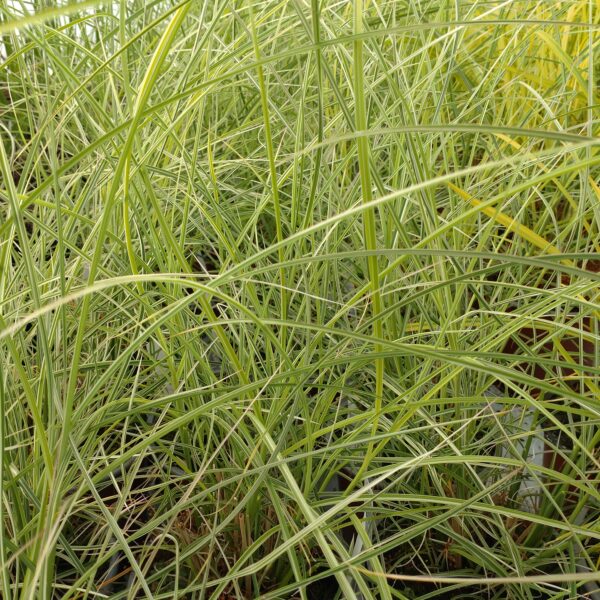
column 299, row 300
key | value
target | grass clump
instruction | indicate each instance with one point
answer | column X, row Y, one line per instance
column 299, row 299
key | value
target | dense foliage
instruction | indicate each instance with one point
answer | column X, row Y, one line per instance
column 299, row 299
